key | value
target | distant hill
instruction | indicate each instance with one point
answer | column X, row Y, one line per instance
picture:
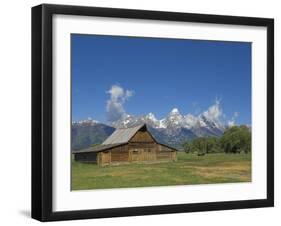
column 88, row 132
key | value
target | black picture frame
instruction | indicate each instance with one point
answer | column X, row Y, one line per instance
column 42, row 111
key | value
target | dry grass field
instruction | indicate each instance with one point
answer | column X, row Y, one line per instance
column 189, row 169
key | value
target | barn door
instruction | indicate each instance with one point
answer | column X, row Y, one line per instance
column 135, row 155
column 106, row 158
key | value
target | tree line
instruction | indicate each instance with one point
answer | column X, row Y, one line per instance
column 235, row 139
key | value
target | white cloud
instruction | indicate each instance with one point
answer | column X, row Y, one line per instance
column 114, row 106
column 214, row 112
column 118, row 96
column 232, row 122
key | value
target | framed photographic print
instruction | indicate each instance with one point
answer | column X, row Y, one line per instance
column 145, row 112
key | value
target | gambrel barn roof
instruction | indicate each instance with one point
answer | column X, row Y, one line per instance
column 118, row 138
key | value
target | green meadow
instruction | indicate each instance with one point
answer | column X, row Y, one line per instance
column 188, row 169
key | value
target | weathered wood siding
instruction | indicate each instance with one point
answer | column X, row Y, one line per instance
column 143, row 137
column 174, row 156
column 86, row 157
column 141, row 154
column 120, row 154
column 141, row 148
column 105, row 158
column 164, row 153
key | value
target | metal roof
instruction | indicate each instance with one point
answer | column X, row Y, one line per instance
column 122, row 135
column 98, row 148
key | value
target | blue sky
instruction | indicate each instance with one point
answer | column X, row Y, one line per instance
column 159, row 75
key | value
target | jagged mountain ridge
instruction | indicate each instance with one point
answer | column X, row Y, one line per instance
column 172, row 130
column 201, row 125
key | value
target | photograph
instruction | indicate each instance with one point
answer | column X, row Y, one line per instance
column 149, row 111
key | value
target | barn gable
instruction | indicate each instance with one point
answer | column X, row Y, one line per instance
column 123, row 135
column 143, row 136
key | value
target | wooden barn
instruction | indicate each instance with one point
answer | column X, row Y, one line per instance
column 128, row 145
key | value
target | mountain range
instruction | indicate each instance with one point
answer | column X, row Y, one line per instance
column 171, row 130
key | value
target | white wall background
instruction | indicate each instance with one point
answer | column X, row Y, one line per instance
column 15, row 118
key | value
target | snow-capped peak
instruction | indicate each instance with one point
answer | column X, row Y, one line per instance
column 190, row 121
column 174, row 111
column 89, row 120
column 151, row 116
column 174, row 119
column 127, row 119
column 208, row 122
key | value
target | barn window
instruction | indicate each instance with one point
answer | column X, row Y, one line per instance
column 135, row 151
